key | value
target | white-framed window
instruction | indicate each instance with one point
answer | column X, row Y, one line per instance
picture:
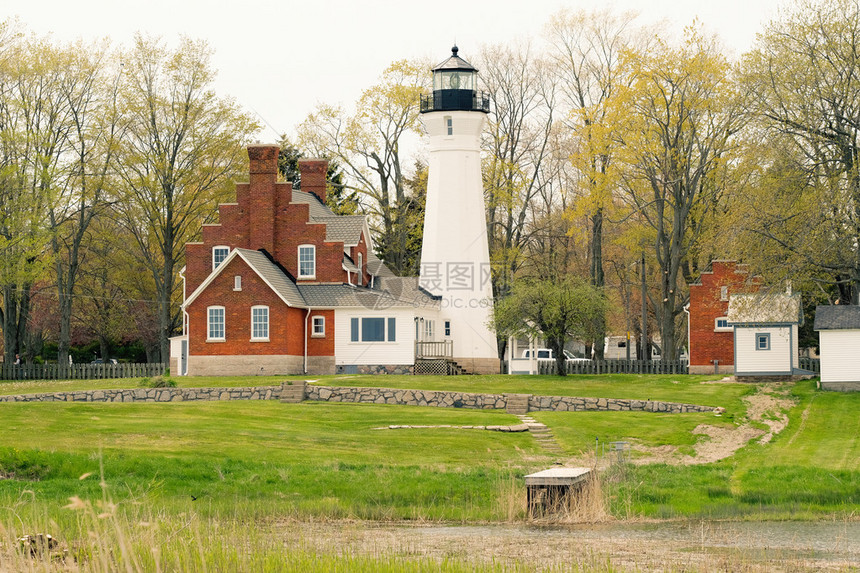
column 318, row 326
column 428, row 330
column 237, row 282
column 373, row 329
column 215, row 324
column 360, row 269
column 219, row 253
column 449, row 123
column 307, row 261
column 762, row 341
column 447, row 328
column 724, row 293
column 260, row 323
column 721, row 324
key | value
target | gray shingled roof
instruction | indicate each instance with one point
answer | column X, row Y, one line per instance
column 764, row 308
column 377, row 267
column 346, row 228
column 348, row 264
column 837, row 317
column 407, row 289
column 274, row 276
column 315, row 208
column 330, row 296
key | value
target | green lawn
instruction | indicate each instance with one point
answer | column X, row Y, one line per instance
column 810, row 469
column 823, row 432
column 263, row 458
column 300, row 458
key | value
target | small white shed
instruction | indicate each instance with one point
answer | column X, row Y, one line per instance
column 838, row 330
column 765, row 329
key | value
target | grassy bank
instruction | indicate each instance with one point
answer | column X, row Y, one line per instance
column 255, row 462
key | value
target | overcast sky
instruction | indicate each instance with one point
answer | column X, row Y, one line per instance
column 279, row 58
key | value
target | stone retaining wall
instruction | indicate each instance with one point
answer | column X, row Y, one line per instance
column 153, row 395
column 573, row 404
column 405, row 397
column 295, row 391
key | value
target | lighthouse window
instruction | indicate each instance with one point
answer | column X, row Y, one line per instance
column 450, row 122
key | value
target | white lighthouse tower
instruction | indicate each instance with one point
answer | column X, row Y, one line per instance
column 455, row 257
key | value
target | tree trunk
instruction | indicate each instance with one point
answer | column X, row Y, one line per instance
column 10, row 321
column 557, row 346
column 16, row 305
column 597, row 277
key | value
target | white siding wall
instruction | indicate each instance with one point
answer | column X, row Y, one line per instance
column 840, row 355
column 401, row 351
column 777, row 360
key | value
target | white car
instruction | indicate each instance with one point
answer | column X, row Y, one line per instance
column 547, row 354
column 571, row 359
column 542, row 354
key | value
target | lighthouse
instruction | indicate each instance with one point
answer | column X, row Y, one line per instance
column 455, row 257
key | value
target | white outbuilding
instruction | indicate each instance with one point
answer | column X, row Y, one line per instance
column 765, row 329
column 838, row 329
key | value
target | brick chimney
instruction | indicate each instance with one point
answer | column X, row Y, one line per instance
column 263, row 178
column 313, row 173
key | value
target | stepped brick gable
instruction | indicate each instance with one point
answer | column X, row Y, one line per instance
column 712, row 342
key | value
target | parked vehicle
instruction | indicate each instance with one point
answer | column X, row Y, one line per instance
column 571, row 359
column 542, row 354
column 102, row 361
column 547, row 354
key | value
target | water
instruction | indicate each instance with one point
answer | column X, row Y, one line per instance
column 822, row 541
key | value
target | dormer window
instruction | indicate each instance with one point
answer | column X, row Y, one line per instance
column 218, row 255
column 307, row 262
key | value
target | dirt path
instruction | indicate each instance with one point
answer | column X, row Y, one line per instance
column 768, row 406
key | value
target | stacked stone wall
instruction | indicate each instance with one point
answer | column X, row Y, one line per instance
column 574, row 404
column 296, row 390
column 153, row 395
column 405, row 397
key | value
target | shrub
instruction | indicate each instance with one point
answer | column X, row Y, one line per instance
column 158, row 382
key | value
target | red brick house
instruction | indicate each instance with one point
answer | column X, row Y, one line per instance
column 282, row 285
column 711, row 337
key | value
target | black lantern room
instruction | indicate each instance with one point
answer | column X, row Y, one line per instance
column 454, row 88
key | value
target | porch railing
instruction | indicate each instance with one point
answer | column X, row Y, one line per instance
column 440, row 349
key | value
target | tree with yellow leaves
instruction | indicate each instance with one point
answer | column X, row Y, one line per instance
column 674, row 119
column 368, row 145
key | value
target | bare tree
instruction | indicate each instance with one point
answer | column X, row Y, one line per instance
column 182, row 146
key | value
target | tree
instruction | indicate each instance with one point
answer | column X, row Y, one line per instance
column 585, row 54
column 559, row 310
column 89, row 87
column 34, row 120
column 338, row 198
column 674, row 119
column 804, row 76
column 367, row 145
column 182, row 147
column 517, row 147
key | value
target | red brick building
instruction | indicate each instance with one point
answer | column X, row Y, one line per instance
column 711, row 337
column 282, row 285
